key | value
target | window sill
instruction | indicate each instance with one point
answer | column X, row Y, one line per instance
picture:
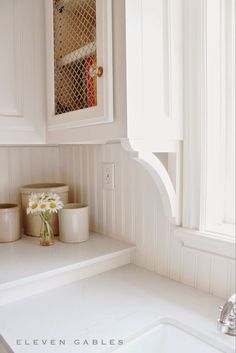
column 223, row 230
column 209, row 242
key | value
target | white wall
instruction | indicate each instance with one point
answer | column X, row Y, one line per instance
column 25, row 165
column 132, row 212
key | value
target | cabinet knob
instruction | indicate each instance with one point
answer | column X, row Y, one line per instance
column 96, row 71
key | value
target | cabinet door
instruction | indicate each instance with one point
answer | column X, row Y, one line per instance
column 154, row 51
column 79, row 48
column 22, row 103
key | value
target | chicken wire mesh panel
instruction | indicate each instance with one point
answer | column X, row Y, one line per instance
column 74, row 55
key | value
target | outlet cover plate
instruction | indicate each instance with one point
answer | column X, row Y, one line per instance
column 108, row 176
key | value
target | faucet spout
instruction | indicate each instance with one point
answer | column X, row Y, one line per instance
column 227, row 308
column 227, row 320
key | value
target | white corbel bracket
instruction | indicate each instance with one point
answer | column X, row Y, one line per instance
column 143, row 152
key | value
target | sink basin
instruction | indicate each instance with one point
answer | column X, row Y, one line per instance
column 167, row 338
column 4, row 348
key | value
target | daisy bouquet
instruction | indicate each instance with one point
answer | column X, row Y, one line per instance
column 44, row 205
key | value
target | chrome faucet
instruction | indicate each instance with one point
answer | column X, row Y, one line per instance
column 227, row 320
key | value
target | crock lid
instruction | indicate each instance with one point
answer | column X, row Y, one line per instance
column 41, row 187
column 8, row 207
column 74, row 206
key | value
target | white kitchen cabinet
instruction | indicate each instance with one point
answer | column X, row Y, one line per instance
column 144, row 110
column 79, row 56
column 52, row 92
column 140, row 92
column 22, row 72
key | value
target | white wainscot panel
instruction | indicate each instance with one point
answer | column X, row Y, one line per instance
column 26, row 165
column 221, row 281
column 133, row 212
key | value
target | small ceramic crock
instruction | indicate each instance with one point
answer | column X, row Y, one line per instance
column 10, row 228
column 74, row 223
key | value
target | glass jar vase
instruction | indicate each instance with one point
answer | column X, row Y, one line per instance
column 46, row 233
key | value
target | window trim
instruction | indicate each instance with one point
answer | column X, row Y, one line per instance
column 213, row 172
column 206, row 241
column 196, row 127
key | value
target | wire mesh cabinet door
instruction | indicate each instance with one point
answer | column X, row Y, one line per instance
column 79, row 61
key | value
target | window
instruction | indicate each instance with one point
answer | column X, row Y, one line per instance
column 219, row 141
column 209, row 141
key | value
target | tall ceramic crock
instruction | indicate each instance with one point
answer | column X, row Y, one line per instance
column 74, row 223
column 10, row 228
column 32, row 223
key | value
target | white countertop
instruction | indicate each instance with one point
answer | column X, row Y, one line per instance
column 112, row 305
column 25, row 257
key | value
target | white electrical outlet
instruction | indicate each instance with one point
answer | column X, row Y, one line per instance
column 109, row 176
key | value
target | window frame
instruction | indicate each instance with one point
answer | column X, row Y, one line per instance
column 205, row 108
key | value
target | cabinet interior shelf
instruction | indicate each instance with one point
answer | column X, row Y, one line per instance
column 78, row 54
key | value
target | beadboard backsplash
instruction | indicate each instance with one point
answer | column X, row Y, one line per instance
column 131, row 212
column 26, row 165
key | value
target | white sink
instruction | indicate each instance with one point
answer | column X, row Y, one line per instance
column 167, row 338
column 4, row 348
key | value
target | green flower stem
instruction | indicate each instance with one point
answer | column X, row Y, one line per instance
column 48, row 232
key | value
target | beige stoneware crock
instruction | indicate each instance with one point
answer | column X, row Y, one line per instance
column 32, row 223
column 74, row 223
column 10, row 228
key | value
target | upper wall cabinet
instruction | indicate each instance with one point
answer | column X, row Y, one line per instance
column 22, row 72
column 108, row 70
column 114, row 70
column 154, row 69
column 80, row 86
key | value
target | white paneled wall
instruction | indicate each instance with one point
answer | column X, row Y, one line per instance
column 131, row 212
column 25, row 165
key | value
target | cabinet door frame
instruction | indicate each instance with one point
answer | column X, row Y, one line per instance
column 22, row 118
column 103, row 112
